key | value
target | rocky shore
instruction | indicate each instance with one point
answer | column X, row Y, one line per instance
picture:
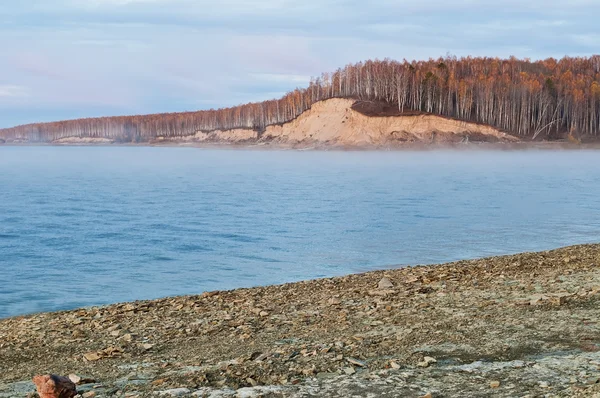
column 510, row 326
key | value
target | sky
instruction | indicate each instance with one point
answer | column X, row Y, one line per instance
column 64, row 59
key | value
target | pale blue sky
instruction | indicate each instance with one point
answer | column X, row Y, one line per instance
column 77, row 58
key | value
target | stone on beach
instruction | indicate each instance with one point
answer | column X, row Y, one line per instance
column 385, row 283
column 52, row 386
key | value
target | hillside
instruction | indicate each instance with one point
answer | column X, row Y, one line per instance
column 546, row 99
column 341, row 123
column 336, row 122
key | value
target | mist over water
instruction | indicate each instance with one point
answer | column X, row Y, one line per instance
column 86, row 226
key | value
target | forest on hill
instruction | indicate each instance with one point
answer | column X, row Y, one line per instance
column 547, row 98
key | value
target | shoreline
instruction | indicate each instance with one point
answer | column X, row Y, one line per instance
column 498, row 326
column 515, row 146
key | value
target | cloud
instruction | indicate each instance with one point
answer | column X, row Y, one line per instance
column 91, row 57
column 275, row 77
column 13, row 91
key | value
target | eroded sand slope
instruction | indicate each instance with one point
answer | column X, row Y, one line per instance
column 335, row 122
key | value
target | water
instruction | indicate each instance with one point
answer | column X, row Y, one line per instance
column 85, row 226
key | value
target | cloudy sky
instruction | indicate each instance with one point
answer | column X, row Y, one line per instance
column 76, row 58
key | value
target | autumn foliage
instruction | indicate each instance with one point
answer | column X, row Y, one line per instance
column 545, row 98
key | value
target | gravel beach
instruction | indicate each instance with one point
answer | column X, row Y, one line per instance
column 508, row 326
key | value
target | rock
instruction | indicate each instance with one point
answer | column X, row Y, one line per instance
column 175, row 392
column 558, row 300
column 428, row 395
column 74, row 378
column 426, row 362
column 544, row 384
column 91, row 356
column 52, row 386
column 210, row 294
column 394, row 365
column 494, row 384
column 349, row 370
column 77, row 379
column 263, row 313
column 356, row 362
column 592, row 381
column 536, row 300
column 334, row 301
column 89, row 394
column 18, row 389
column 126, row 337
column 147, row 346
column 223, row 393
column 251, row 392
column 381, row 292
column 385, row 283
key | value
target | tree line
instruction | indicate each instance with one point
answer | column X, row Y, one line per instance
column 523, row 97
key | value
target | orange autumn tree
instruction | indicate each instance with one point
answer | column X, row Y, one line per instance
column 527, row 98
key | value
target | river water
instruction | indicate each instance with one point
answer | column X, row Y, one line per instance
column 84, row 226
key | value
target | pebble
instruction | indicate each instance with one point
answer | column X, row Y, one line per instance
column 356, row 362
column 495, row 384
column 175, row 392
column 385, row 283
column 91, row 356
column 334, row 301
column 426, row 362
column 74, row 378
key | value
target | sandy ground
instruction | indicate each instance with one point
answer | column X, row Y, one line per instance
column 83, row 140
column 521, row 325
column 335, row 122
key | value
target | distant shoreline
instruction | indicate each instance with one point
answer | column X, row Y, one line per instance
column 514, row 146
column 332, row 124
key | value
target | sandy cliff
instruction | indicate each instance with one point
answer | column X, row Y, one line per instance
column 235, row 135
column 340, row 123
column 83, row 140
column 335, row 122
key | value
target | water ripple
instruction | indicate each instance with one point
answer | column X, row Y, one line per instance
column 138, row 223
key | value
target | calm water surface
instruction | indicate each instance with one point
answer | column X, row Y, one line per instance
column 93, row 225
